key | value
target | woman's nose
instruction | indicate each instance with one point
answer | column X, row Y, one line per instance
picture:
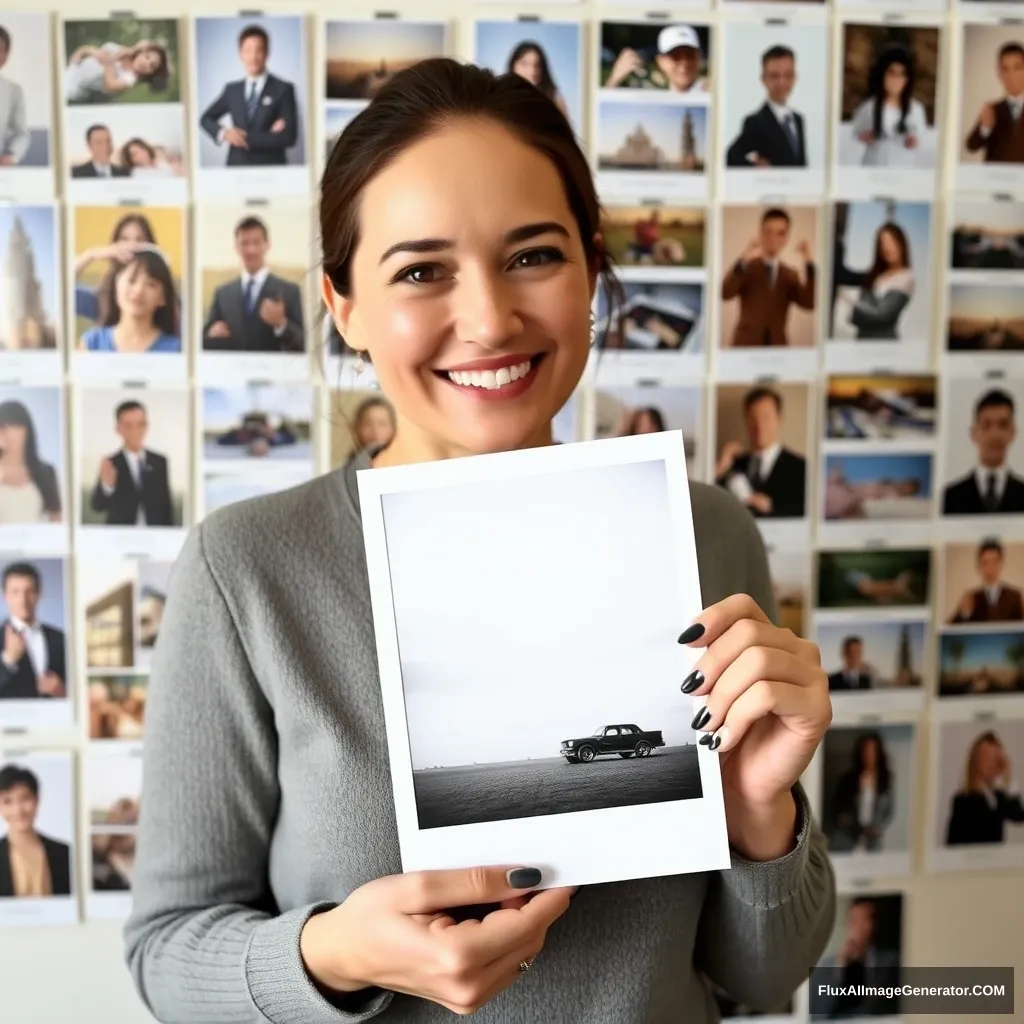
column 485, row 311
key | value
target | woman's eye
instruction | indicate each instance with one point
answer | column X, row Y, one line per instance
column 423, row 273
column 538, row 257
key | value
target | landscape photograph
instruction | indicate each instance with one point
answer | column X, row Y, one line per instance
column 981, row 664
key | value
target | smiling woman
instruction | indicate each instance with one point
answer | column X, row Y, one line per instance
column 461, row 255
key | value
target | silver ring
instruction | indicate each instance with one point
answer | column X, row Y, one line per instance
column 525, row 965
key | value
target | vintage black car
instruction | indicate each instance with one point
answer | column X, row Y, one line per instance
column 626, row 740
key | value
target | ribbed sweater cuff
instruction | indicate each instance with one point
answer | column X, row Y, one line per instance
column 279, row 984
column 771, row 883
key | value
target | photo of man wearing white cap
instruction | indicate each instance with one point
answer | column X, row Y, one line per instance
column 670, row 58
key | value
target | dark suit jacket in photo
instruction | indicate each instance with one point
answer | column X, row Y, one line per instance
column 786, row 485
column 840, row 681
column 122, row 507
column 962, row 497
column 762, row 134
column 764, row 306
column 58, row 856
column 20, row 684
column 263, row 148
column 974, row 820
column 88, row 170
column 1004, row 144
column 248, row 332
column 1009, row 607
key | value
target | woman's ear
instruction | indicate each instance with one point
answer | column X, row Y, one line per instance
column 339, row 307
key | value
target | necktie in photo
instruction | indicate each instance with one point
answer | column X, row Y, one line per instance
column 754, row 470
column 790, row 127
column 251, row 103
column 991, row 497
column 250, row 295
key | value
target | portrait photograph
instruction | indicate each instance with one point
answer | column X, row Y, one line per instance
column 255, row 264
column 664, row 60
column 760, row 447
column 362, row 56
column 867, row 785
column 860, row 967
column 990, row 147
column 984, row 665
column 127, row 287
column 887, row 578
column 655, row 239
column 36, row 687
column 116, row 707
column 791, row 583
column 986, row 236
column 880, row 487
column 30, row 320
column 881, row 297
column 26, row 104
column 251, row 106
column 667, row 319
column 37, row 808
column 548, row 54
column 774, row 122
column 33, row 500
column 985, row 318
column 888, row 134
column 983, row 582
column 134, row 466
column 644, row 148
column 113, row 787
column 626, row 411
column 877, row 665
column 900, row 409
column 220, row 488
column 257, row 425
column 977, row 812
column 983, row 467
column 360, row 421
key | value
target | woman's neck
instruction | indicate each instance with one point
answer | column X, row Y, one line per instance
column 135, row 334
column 411, row 445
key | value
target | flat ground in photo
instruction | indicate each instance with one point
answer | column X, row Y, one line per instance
column 501, row 790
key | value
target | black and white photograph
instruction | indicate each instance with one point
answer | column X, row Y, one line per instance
column 639, row 409
column 598, row 755
column 250, row 105
column 891, row 579
column 868, row 782
column 31, row 318
column 977, row 808
column 33, row 486
column 133, row 460
column 113, row 788
column 547, row 54
column 990, row 143
column 983, row 583
column 881, row 301
column 774, row 129
column 861, row 964
column 888, row 141
column 884, row 410
column 986, row 240
column 37, row 838
column 655, row 241
column 875, row 664
column 124, row 119
column 982, row 487
column 26, row 105
column 36, row 661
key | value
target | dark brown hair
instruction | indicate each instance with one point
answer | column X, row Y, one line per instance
column 429, row 96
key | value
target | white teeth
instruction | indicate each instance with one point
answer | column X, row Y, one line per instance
column 490, row 379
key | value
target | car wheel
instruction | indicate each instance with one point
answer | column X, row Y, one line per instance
column 643, row 748
column 585, row 753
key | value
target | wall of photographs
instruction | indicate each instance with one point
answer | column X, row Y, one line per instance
column 816, row 211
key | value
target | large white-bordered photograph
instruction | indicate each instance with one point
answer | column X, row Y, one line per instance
column 517, row 781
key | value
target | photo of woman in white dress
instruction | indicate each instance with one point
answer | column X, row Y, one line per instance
column 97, row 74
column 29, row 490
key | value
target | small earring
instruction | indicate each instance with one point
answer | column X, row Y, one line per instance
column 593, row 330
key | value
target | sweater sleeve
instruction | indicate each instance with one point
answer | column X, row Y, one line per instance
column 764, row 925
column 205, row 943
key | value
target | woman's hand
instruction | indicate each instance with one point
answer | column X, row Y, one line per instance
column 766, row 709
column 396, row 933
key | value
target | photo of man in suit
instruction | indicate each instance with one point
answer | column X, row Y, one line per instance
column 766, row 286
column 14, row 133
column 133, row 486
column 263, row 109
column 31, row 864
column 991, row 487
column 32, row 658
column 854, row 674
column 101, row 152
column 768, row 478
column 994, row 600
column 998, row 131
column 257, row 311
column 772, row 136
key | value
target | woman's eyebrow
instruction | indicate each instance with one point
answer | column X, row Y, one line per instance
column 420, row 246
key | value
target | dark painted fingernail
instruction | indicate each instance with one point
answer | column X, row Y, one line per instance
column 523, row 878
column 692, row 681
column 701, row 719
column 691, row 633
column 705, row 740
column 716, row 741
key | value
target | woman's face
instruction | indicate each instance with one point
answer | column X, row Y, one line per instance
column 529, row 67
column 869, row 753
column 890, row 249
column 138, row 294
column 376, row 427
column 12, row 438
column 471, row 292
column 132, row 233
column 895, row 80
column 643, row 423
column 139, row 155
column 989, row 761
column 147, row 62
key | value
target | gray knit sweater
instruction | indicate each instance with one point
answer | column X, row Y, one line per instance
column 267, row 798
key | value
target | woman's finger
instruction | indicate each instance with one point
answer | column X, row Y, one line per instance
column 754, row 665
column 741, row 636
column 717, row 618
